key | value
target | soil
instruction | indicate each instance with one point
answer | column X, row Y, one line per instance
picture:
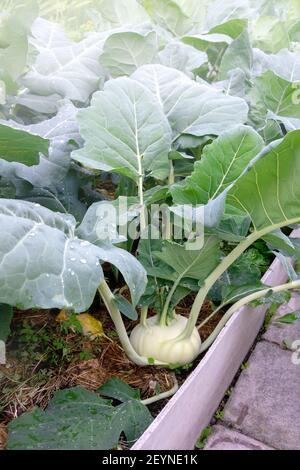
column 43, row 358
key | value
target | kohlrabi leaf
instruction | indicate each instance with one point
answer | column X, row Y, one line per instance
column 244, row 272
column 284, row 64
column 118, row 390
column 288, row 318
column 220, row 12
column 67, row 68
column 17, row 145
column 195, row 264
column 182, row 57
column 288, row 266
column 124, row 52
column 155, row 267
column 203, row 42
column 234, row 225
column 39, row 104
column 237, row 55
column 60, row 131
column 78, row 419
column 42, row 263
column 288, row 246
column 111, row 14
column 231, row 27
column 277, row 95
column 134, row 274
column 125, row 131
column 270, row 34
column 221, row 164
column 231, row 294
column 234, row 84
column 169, row 16
column 100, row 227
column 290, row 123
column 125, row 307
column 191, row 108
column 273, row 185
column 6, row 314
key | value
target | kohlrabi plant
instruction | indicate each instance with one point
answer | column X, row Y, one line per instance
column 170, row 106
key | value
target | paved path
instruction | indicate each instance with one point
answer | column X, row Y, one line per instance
column 263, row 411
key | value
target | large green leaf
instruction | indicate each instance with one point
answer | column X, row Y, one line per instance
column 191, row 108
column 124, row 52
column 237, row 55
column 169, row 15
column 119, row 390
column 125, row 131
column 78, row 419
column 42, row 263
column 222, row 162
column 182, row 57
column 273, row 183
column 17, row 145
column 68, row 68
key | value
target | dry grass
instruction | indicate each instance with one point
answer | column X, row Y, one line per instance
column 3, row 436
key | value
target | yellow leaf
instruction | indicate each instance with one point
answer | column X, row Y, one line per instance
column 90, row 325
column 62, row 316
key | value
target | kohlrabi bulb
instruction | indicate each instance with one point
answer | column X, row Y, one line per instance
column 161, row 343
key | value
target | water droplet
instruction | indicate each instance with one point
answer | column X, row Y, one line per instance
column 83, row 261
column 37, row 205
column 84, row 243
column 72, row 259
column 32, row 234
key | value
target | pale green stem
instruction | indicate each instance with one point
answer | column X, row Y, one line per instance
column 143, row 316
column 143, row 224
column 108, row 299
column 164, row 315
column 162, row 396
column 241, row 303
column 222, row 268
column 171, row 180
